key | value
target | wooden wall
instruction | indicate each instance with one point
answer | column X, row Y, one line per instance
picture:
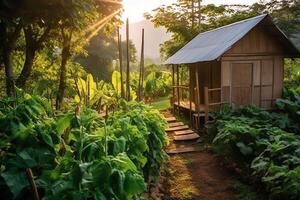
column 264, row 54
column 256, row 42
column 264, row 81
column 209, row 76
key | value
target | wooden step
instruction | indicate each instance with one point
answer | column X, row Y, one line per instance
column 174, row 124
column 184, row 132
column 183, row 150
column 192, row 136
column 170, row 119
column 177, row 128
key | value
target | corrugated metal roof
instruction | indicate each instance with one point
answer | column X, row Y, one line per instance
column 210, row 45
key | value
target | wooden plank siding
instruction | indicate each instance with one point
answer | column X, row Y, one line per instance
column 266, row 55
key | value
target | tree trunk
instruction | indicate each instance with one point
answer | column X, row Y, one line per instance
column 33, row 44
column 10, row 86
column 7, row 42
column 65, row 55
column 27, row 68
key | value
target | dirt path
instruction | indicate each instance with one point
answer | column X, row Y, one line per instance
column 198, row 175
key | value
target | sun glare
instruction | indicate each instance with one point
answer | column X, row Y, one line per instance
column 135, row 9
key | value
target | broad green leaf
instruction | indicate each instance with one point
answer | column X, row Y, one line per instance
column 91, row 86
column 63, row 123
column 134, row 184
column 116, row 81
column 16, row 181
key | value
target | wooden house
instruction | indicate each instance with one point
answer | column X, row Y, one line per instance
column 240, row 64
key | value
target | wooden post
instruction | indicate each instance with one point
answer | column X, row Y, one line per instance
column 198, row 90
column 273, row 81
column 128, row 62
column 199, row 13
column 193, row 14
column 206, row 102
column 190, row 92
column 197, row 108
column 252, row 86
column 121, row 62
column 260, row 84
column 141, row 78
column 221, row 86
column 173, row 88
column 178, row 95
column 230, row 89
column 32, row 184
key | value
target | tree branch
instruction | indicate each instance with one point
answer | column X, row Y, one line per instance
column 43, row 37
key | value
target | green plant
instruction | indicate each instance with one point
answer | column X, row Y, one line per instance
column 79, row 155
column 254, row 138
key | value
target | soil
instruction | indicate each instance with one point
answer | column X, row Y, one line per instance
column 200, row 175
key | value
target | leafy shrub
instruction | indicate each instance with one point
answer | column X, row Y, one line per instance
column 78, row 155
column 254, row 138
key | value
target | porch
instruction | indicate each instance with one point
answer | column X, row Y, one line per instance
column 196, row 91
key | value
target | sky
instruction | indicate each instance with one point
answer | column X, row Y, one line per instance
column 134, row 9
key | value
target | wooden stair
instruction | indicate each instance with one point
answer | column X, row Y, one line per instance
column 184, row 132
column 170, row 119
column 182, row 138
column 177, row 128
column 175, row 124
column 192, row 136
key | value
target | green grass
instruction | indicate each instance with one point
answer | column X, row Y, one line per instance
column 161, row 103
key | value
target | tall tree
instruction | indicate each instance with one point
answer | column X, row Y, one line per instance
column 35, row 36
column 82, row 17
column 9, row 33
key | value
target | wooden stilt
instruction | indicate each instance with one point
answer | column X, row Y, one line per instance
column 121, row 63
column 128, row 62
column 141, row 77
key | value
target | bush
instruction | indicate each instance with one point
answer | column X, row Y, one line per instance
column 79, row 155
column 255, row 139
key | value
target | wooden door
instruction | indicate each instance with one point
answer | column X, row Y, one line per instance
column 241, row 84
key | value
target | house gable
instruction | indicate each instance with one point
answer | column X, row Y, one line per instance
column 258, row 41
